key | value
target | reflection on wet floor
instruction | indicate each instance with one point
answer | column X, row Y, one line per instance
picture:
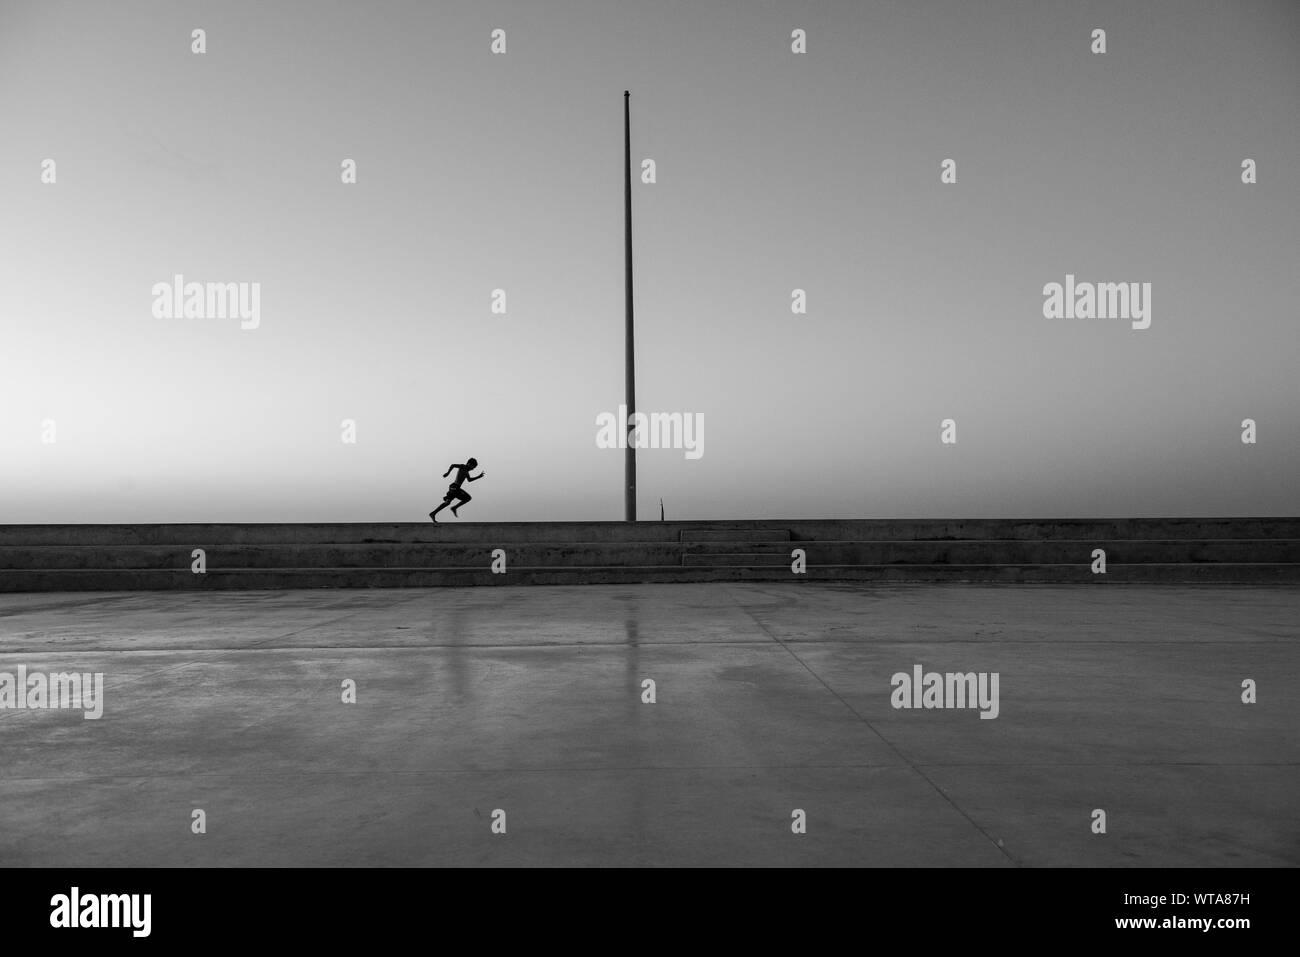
column 767, row 697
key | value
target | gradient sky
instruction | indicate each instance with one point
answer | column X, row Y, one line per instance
column 775, row 171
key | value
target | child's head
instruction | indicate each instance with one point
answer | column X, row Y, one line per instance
column 472, row 463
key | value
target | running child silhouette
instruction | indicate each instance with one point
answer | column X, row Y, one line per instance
column 454, row 490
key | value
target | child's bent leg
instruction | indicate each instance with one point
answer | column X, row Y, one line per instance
column 446, row 500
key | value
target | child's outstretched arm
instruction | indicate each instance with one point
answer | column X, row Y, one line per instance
column 475, row 478
column 453, row 465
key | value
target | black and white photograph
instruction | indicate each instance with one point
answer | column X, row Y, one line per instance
column 646, row 436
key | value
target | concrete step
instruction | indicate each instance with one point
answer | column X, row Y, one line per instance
column 206, row 535
column 691, row 535
column 1269, row 551
column 751, row 559
column 755, row 553
column 290, row 578
column 112, row 557
column 340, row 555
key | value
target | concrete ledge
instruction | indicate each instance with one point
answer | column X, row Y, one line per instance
column 545, row 554
column 290, row 578
column 859, row 530
column 281, row 556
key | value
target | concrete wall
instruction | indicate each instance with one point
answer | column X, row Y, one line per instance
column 124, row 557
column 798, row 530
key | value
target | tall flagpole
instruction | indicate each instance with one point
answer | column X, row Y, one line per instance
column 629, row 455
